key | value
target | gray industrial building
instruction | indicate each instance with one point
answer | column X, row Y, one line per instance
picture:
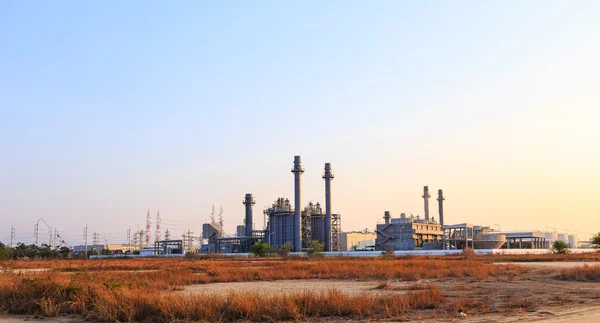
column 407, row 233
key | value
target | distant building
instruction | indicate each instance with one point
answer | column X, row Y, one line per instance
column 358, row 240
column 407, row 233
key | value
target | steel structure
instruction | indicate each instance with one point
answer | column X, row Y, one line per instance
column 297, row 170
column 328, row 177
column 249, row 203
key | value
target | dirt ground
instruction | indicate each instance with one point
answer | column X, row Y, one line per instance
column 554, row 265
column 536, row 296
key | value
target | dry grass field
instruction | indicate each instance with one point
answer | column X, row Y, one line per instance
column 296, row 289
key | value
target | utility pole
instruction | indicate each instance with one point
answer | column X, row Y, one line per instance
column 85, row 239
column 12, row 235
column 184, row 245
column 36, row 232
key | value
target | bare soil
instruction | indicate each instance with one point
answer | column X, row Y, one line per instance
column 555, row 265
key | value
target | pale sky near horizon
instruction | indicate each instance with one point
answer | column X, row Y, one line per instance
column 110, row 109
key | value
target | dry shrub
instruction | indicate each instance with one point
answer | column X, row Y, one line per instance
column 140, row 289
column 581, row 273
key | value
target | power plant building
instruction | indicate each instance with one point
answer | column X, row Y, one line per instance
column 298, row 227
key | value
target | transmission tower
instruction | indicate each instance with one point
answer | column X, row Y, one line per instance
column 157, row 234
column 189, row 239
column 221, row 233
column 36, row 232
column 212, row 216
column 148, row 227
column 129, row 239
column 12, row 235
column 85, row 238
column 95, row 237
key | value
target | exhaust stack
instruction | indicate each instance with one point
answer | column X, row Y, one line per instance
column 328, row 176
column 426, row 197
column 441, row 209
column 297, row 170
column 249, row 202
column 386, row 217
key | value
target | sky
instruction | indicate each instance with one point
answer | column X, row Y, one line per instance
column 110, row 109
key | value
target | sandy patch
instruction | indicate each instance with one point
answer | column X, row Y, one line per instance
column 290, row 286
column 549, row 264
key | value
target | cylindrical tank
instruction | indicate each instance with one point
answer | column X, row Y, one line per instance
column 241, row 230
column 573, row 240
column 563, row 237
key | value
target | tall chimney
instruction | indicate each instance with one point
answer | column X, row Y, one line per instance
column 297, row 170
column 328, row 176
column 426, row 197
column 249, row 202
column 441, row 209
column 386, row 217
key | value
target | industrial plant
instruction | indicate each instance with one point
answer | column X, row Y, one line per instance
column 293, row 226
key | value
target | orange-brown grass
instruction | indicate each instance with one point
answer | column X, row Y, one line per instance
column 140, row 289
column 592, row 256
column 228, row 270
column 581, row 273
column 130, row 297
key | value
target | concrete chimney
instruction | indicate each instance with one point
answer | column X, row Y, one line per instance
column 441, row 209
column 426, row 197
column 386, row 217
column 297, row 170
column 249, row 202
column 328, row 176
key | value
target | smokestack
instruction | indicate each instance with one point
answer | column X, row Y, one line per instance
column 297, row 170
column 248, row 202
column 386, row 217
column 426, row 197
column 441, row 209
column 328, row 176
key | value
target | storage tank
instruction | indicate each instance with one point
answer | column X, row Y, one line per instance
column 573, row 240
column 240, row 230
column 551, row 237
column 563, row 237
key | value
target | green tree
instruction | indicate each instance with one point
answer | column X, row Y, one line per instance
column 596, row 241
column 315, row 249
column 560, row 247
column 284, row 250
column 260, row 249
column 106, row 251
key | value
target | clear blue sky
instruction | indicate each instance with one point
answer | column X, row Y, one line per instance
column 112, row 108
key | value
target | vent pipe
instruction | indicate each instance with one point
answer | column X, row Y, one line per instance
column 386, row 217
column 328, row 176
column 426, row 197
column 297, row 170
column 249, row 202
